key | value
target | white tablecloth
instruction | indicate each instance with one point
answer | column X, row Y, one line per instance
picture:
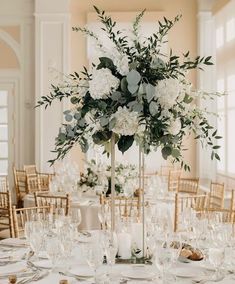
column 89, row 206
column 77, row 264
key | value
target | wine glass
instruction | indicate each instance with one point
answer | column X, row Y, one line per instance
column 111, row 248
column 54, row 250
column 216, row 258
column 76, row 217
column 163, row 257
column 34, row 233
column 94, row 256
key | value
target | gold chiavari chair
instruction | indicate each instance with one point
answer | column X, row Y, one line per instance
column 20, row 185
column 188, row 185
column 44, row 181
column 6, row 225
column 183, row 202
column 30, row 169
column 232, row 204
column 165, row 170
column 4, row 186
column 54, row 200
column 125, row 206
column 173, row 180
column 216, row 195
column 32, row 183
column 222, row 215
column 22, row 215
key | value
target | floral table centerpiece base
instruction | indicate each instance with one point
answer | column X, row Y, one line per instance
column 135, row 94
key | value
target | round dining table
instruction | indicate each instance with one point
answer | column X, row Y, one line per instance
column 88, row 204
column 13, row 261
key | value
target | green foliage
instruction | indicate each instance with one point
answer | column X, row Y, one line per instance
column 94, row 118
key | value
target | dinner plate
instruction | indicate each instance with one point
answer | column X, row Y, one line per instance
column 82, row 271
column 187, row 272
column 43, row 263
column 138, row 274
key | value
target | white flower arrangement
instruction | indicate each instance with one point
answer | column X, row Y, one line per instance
column 98, row 174
column 136, row 94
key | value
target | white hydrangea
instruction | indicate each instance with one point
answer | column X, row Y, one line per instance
column 174, row 127
column 102, row 84
column 167, row 91
column 122, row 64
column 127, row 122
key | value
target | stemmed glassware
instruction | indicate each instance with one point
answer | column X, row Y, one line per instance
column 54, row 249
column 94, row 256
column 165, row 254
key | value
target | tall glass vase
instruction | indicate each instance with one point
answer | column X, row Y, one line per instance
column 141, row 198
column 113, row 192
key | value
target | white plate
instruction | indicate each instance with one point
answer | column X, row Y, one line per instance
column 44, row 263
column 187, row 272
column 83, row 271
column 138, row 274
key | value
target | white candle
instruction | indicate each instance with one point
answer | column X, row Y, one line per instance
column 124, row 245
column 137, row 236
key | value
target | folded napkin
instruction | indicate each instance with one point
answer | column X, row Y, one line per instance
column 12, row 254
column 14, row 268
column 14, row 242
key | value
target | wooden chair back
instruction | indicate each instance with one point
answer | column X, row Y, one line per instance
column 183, row 202
column 6, row 212
column 30, row 169
column 124, row 206
column 22, row 215
column 4, row 186
column 173, row 180
column 222, row 215
column 32, row 183
column 188, row 185
column 53, row 200
column 232, row 204
column 216, row 196
column 20, row 184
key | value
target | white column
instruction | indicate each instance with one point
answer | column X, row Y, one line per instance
column 52, row 48
column 206, row 169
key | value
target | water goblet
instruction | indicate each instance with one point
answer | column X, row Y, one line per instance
column 216, row 258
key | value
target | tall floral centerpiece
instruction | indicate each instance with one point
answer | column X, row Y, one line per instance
column 134, row 94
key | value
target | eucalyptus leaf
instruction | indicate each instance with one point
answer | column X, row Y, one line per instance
column 166, row 151
column 104, row 121
column 175, row 153
column 137, row 107
column 62, row 137
column 150, row 92
column 132, row 88
column 68, row 117
column 82, row 122
column 112, row 123
column 77, row 115
column 141, row 90
column 133, row 77
column 153, row 108
column 124, row 85
column 116, row 96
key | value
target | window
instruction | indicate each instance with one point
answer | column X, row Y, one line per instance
column 3, row 132
column 225, row 78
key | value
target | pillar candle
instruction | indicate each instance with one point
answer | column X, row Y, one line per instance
column 124, row 245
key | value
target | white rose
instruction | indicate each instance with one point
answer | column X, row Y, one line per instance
column 102, row 84
column 174, row 127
